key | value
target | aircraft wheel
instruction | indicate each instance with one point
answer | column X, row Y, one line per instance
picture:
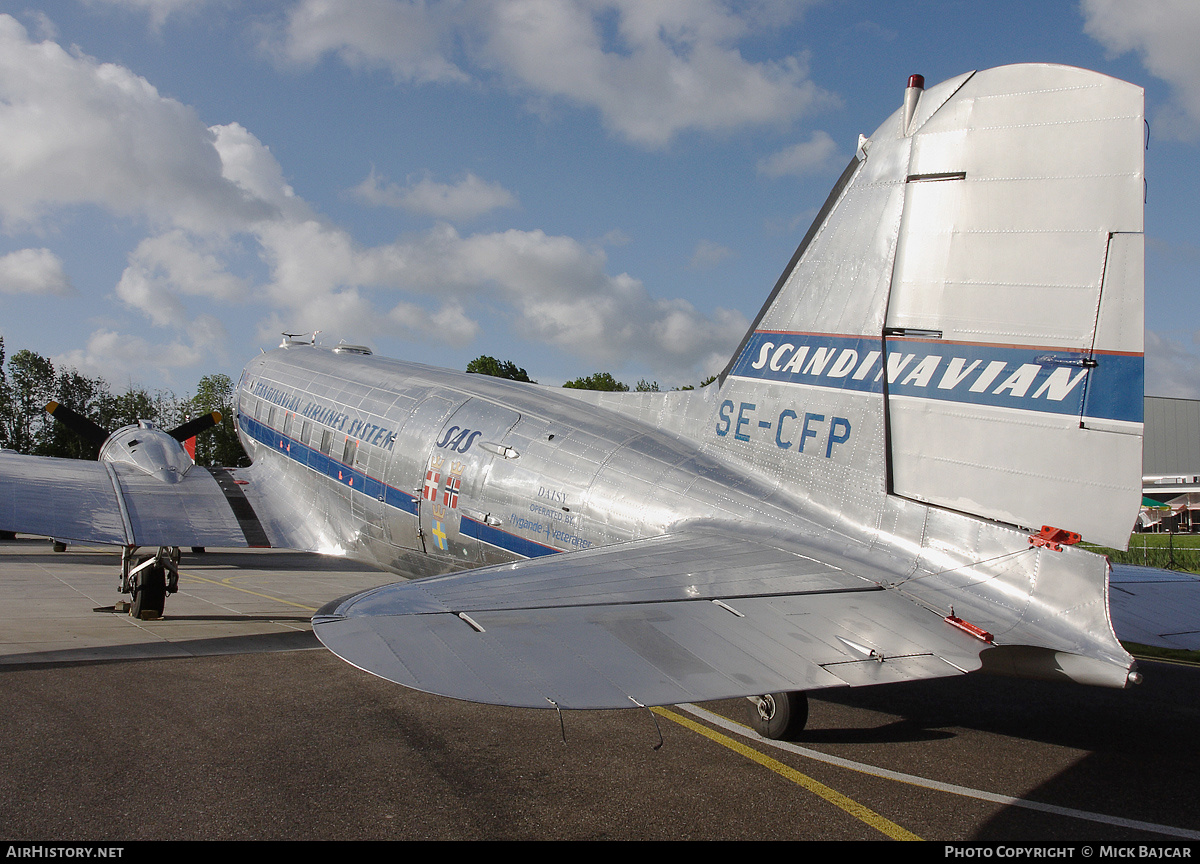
column 199, row 550
column 779, row 716
column 149, row 593
column 60, row 546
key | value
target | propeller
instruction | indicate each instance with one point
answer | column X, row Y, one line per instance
column 73, row 420
column 195, row 426
column 98, row 435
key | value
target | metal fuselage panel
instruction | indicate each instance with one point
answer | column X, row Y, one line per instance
column 424, row 470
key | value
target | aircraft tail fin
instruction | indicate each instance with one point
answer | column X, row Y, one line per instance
column 962, row 326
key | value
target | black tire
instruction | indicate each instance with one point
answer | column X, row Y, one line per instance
column 199, row 550
column 780, row 716
column 149, row 594
column 59, row 546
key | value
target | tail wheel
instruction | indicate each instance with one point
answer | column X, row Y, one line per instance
column 149, row 592
column 779, row 716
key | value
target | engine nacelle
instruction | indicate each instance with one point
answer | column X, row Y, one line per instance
column 149, row 449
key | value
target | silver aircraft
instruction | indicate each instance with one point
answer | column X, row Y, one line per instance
column 941, row 394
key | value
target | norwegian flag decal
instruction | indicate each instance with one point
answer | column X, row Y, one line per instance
column 450, row 493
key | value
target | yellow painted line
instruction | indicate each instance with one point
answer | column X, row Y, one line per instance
column 837, row 799
column 224, row 583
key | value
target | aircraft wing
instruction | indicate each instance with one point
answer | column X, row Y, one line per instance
column 1155, row 607
column 113, row 502
column 696, row 614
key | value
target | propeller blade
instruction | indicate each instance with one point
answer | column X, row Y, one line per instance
column 194, row 427
column 77, row 422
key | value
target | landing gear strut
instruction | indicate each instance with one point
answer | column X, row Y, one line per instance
column 148, row 579
column 779, row 716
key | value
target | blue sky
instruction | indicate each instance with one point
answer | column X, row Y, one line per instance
column 576, row 186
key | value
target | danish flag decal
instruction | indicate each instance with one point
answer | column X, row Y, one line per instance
column 433, row 477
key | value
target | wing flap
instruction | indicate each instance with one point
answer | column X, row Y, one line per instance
column 192, row 512
column 675, row 643
column 703, row 561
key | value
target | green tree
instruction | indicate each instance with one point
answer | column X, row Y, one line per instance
column 133, row 405
column 84, row 396
column 598, row 381
column 29, row 386
column 219, row 445
column 644, row 386
column 485, row 365
column 704, row 383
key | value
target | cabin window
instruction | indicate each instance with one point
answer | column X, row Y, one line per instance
column 287, row 424
column 349, row 451
column 326, row 441
column 305, row 431
column 271, row 417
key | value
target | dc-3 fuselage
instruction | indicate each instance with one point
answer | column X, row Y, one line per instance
column 422, row 470
column 951, row 361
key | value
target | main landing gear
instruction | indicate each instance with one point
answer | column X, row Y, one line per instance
column 779, row 716
column 148, row 579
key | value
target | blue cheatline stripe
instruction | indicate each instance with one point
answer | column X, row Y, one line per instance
column 332, row 468
column 1048, row 380
column 469, row 527
column 342, row 473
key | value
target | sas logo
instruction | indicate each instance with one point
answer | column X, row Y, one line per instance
column 458, row 439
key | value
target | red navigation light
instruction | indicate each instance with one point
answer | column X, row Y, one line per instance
column 917, row 81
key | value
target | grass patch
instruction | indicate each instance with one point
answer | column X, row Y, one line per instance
column 1150, row 652
column 1170, row 552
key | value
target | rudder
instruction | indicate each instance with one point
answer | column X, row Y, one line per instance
column 965, row 316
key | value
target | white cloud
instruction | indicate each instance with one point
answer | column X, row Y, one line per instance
column 674, row 66
column 1165, row 34
column 562, row 296
column 119, row 356
column 1172, row 369
column 77, row 131
column 409, row 39
column 709, row 254
column 33, row 271
column 664, row 68
column 43, row 25
column 808, row 157
column 82, row 132
column 467, row 199
column 158, row 10
column 165, row 267
column 248, row 164
column 556, row 288
column 449, row 325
